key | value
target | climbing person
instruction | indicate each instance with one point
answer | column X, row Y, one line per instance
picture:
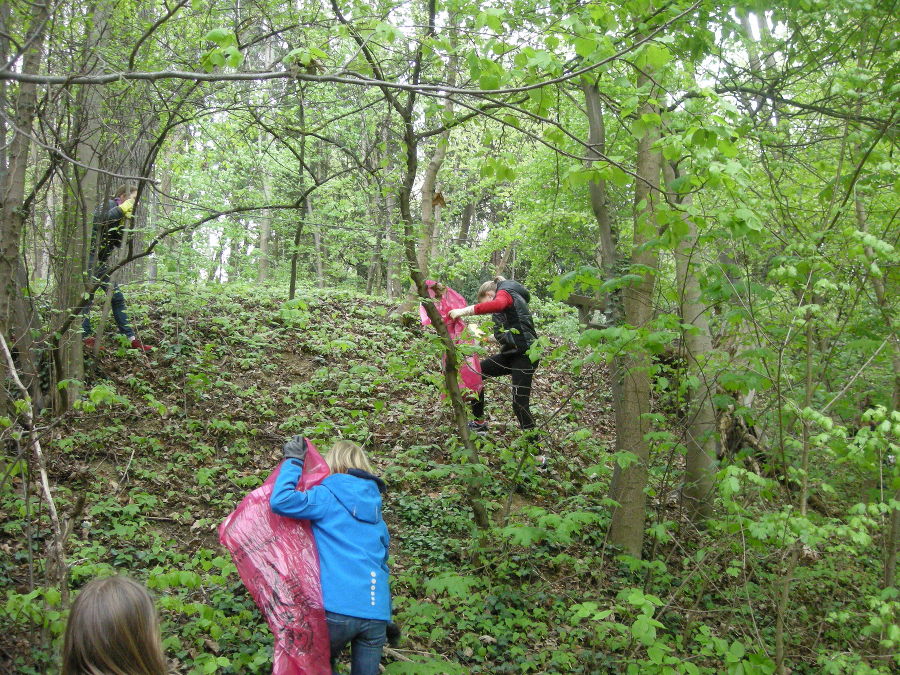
column 352, row 540
column 113, row 629
column 514, row 329
column 108, row 232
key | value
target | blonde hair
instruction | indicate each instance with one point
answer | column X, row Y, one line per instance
column 489, row 286
column 346, row 455
column 113, row 629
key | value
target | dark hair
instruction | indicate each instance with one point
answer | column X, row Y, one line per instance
column 439, row 289
column 113, row 629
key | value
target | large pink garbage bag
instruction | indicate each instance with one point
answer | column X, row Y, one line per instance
column 470, row 370
column 277, row 560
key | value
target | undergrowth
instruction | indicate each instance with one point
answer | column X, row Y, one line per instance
column 161, row 450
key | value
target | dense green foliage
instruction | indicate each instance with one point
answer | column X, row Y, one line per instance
column 162, row 451
column 722, row 492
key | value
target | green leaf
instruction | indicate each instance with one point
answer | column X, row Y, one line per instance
column 585, row 46
column 656, row 56
column 524, row 535
column 488, row 81
column 221, row 36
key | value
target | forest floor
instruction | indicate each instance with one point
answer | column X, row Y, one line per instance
column 166, row 446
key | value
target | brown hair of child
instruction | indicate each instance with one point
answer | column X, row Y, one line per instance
column 113, row 629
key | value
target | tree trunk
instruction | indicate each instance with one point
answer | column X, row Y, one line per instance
column 375, row 263
column 627, row 527
column 265, row 226
column 892, row 530
column 700, row 441
column 13, row 311
column 503, row 261
column 465, row 225
column 320, row 248
column 597, row 188
column 390, row 271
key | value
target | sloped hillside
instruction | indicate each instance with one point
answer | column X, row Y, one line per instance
column 166, row 446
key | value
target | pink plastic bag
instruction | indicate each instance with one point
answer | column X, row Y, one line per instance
column 470, row 369
column 277, row 560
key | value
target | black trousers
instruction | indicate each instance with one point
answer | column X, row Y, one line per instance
column 520, row 367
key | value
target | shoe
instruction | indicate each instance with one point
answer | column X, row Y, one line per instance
column 478, row 427
column 137, row 344
column 89, row 343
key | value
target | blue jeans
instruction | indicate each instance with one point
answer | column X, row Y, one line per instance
column 118, row 302
column 366, row 638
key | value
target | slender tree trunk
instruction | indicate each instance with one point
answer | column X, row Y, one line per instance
column 503, row 261
column 390, row 272
column 301, row 211
column 597, row 188
column 628, row 483
column 375, row 263
column 295, row 254
column 700, row 443
column 319, row 246
column 12, row 219
column 892, row 530
column 4, row 57
column 213, row 272
column 265, row 225
column 465, row 224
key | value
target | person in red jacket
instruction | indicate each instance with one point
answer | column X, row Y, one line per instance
column 514, row 329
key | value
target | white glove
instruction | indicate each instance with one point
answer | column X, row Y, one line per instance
column 465, row 311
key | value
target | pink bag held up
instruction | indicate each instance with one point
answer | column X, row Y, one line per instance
column 470, row 369
column 276, row 559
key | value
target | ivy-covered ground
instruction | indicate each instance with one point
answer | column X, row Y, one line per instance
column 163, row 449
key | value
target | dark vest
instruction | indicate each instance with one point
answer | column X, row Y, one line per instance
column 514, row 327
column 107, row 229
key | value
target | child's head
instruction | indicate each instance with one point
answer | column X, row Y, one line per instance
column 113, row 629
column 488, row 289
column 346, row 455
column 125, row 191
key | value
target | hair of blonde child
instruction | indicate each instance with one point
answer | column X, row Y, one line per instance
column 346, row 455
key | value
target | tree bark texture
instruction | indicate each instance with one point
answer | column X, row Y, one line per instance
column 14, row 314
column 700, row 441
column 628, row 484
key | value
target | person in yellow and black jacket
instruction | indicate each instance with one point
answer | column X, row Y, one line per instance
column 110, row 222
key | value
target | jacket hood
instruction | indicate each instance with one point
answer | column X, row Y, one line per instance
column 516, row 287
column 360, row 494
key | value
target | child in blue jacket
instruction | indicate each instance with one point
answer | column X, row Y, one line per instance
column 352, row 540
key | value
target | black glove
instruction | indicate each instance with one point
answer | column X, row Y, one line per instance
column 295, row 448
column 393, row 634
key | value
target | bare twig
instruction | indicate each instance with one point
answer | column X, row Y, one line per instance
column 57, row 548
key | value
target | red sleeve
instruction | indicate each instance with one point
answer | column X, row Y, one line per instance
column 501, row 301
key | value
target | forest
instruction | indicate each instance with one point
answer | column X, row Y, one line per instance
column 702, row 201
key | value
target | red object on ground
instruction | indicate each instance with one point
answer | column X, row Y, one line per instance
column 470, row 369
column 137, row 344
column 277, row 560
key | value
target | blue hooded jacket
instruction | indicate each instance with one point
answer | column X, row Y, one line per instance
column 351, row 537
